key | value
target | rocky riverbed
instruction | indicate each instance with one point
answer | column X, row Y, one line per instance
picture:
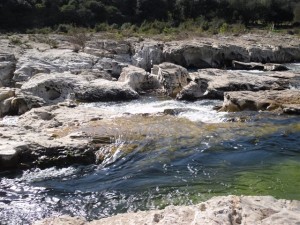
column 62, row 108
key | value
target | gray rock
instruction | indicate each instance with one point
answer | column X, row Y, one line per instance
column 7, row 68
column 148, row 54
column 212, row 83
column 287, row 101
column 53, row 60
column 58, row 86
column 138, row 79
column 171, row 77
column 258, row 66
column 102, row 90
column 12, row 102
column 263, row 210
column 216, row 52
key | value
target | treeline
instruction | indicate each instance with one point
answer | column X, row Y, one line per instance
column 24, row 14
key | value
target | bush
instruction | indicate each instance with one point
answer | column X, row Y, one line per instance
column 78, row 37
column 64, row 28
column 102, row 27
column 224, row 28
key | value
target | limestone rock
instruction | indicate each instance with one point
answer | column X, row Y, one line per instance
column 57, row 87
column 12, row 102
column 262, row 210
column 6, row 73
column 193, row 91
column 62, row 220
column 111, row 66
column 217, row 52
column 286, row 100
column 258, row 66
column 138, row 79
column 54, row 60
column 7, row 68
column 212, row 83
column 148, row 54
column 103, row 90
column 171, row 77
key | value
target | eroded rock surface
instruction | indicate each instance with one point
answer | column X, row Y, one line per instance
column 212, row 83
column 231, row 210
column 57, row 87
column 286, row 100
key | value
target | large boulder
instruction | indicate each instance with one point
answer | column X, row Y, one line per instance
column 138, row 79
column 110, row 66
column 148, row 54
column 212, row 83
column 103, row 90
column 54, row 60
column 59, row 87
column 287, row 101
column 7, row 68
column 13, row 102
column 172, row 78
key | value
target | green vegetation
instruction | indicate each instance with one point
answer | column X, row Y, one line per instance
column 148, row 16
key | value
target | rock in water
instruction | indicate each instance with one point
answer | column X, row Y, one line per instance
column 138, row 79
column 286, row 100
column 172, row 78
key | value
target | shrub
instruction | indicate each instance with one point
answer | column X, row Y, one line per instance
column 64, row 28
column 78, row 37
column 102, row 27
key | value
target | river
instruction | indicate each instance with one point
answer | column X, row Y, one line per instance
column 160, row 160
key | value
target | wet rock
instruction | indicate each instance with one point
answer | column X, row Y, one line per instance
column 138, row 79
column 8, row 156
column 171, row 77
column 218, row 210
column 258, row 66
column 287, row 101
column 102, row 90
column 193, row 91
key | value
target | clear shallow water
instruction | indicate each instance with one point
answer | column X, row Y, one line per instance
column 161, row 160
column 185, row 162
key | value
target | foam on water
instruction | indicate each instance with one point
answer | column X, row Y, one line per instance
column 194, row 111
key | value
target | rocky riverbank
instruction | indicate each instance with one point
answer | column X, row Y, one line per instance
column 218, row 210
column 45, row 85
column 45, row 90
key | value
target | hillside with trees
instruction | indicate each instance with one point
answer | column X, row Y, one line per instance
column 26, row 14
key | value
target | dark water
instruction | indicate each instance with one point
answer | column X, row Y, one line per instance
column 164, row 160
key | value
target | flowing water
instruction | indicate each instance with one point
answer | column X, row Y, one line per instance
column 160, row 160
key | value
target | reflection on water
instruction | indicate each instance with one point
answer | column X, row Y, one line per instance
column 158, row 160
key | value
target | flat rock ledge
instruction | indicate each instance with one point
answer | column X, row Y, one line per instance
column 286, row 101
column 231, row 210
